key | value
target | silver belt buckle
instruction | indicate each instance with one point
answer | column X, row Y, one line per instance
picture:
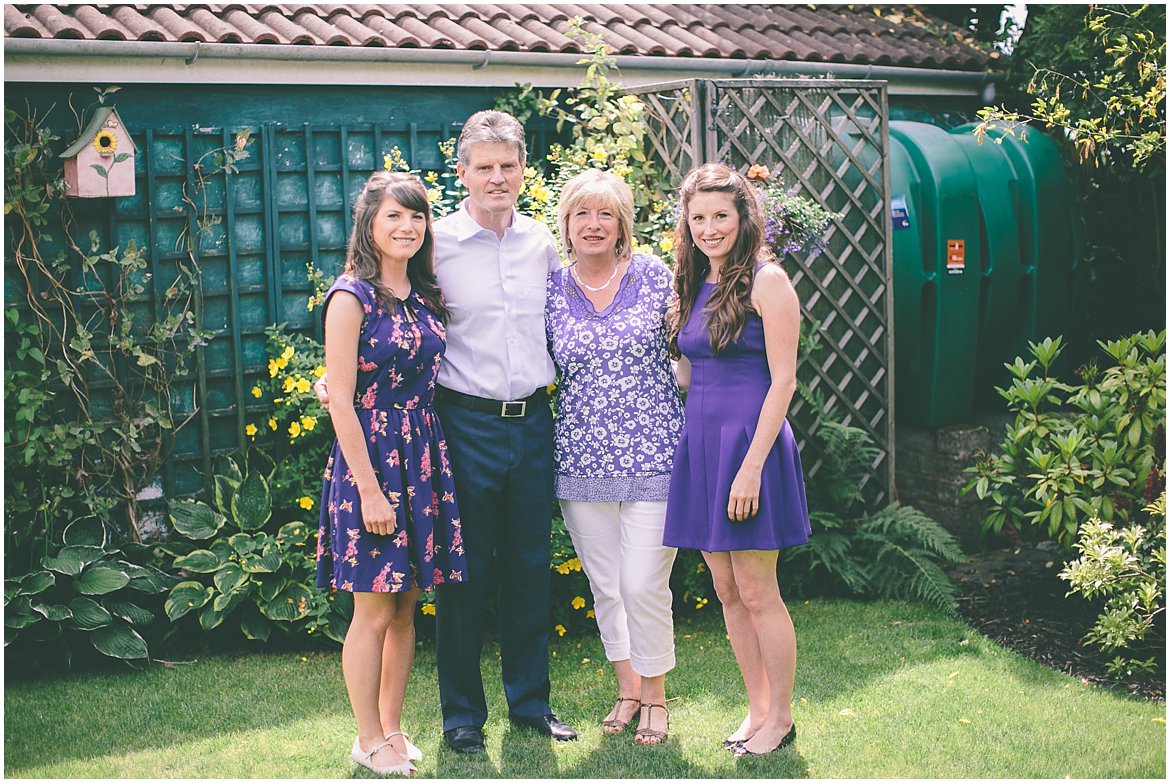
column 514, row 409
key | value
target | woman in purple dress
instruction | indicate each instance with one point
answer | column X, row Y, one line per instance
column 389, row 520
column 737, row 492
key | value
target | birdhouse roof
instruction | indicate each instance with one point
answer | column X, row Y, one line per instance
column 91, row 130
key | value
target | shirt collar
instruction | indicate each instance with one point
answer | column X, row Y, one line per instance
column 466, row 226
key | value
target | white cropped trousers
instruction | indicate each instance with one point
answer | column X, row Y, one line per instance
column 621, row 551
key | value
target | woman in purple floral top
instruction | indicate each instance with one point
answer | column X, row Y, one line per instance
column 389, row 519
column 619, row 415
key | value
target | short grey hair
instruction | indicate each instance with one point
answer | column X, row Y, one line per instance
column 492, row 126
column 594, row 187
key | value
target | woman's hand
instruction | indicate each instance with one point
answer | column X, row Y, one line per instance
column 321, row 389
column 377, row 513
column 745, row 495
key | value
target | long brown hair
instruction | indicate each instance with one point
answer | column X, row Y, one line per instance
column 363, row 259
column 730, row 303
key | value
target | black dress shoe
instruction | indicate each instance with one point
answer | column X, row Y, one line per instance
column 465, row 739
column 787, row 740
column 549, row 725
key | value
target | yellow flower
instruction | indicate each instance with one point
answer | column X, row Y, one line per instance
column 432, row 177
column 622, row 170
column 288, row 353
column 434, row 195
column 598, row 154
column 273, row 368
column 574, row 564
column 699, row 604
column 667, row 244
column 272, row 424
column 306, row 502
column 560, row 629
column 578, row 602
column 590, row 614
column 319, row 370
column 700, row 568
column 563, row 568
column 303, row 385
column 289, row 384
column 105, row 142
column 250, row 430
column 294, row 429
column 308, row 422
column 540, row 193
column 257, row 392
column 428, row 609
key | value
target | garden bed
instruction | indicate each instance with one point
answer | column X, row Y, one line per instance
column 1014, row 596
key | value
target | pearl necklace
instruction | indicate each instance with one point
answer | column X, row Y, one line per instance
column 602, row 287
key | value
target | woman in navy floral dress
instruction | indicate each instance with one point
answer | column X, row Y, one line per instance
column 389, row 519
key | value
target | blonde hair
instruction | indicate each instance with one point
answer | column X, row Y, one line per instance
column 609, row 191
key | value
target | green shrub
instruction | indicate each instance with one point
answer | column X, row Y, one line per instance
column 85, row 595
column 1126, row 567
column 241, row 574
column 1078, row 451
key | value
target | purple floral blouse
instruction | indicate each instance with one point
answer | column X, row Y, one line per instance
column 619, row 413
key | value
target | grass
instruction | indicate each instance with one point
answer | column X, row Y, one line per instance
column 883, row 690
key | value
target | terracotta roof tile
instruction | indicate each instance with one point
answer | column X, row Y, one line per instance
column 838, row 33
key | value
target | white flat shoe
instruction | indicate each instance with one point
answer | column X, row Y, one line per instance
column 412, row 751
column 365, row 759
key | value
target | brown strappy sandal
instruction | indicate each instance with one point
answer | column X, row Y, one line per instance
column 647, row 733
column 617, row 725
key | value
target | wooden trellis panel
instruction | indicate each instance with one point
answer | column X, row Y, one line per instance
column 829, row 140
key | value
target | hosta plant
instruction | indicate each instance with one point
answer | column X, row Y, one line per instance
column 239, row 574
column 86, row 594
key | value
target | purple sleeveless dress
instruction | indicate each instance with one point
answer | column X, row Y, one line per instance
column 399, row 352
column 723, row 407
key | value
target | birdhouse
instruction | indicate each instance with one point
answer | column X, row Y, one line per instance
column 100, row 163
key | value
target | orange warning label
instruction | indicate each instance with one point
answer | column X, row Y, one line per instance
column 956, row 256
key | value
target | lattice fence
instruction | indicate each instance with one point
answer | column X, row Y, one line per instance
column 829, row 139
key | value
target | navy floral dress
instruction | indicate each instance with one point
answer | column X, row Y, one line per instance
column 399, row 353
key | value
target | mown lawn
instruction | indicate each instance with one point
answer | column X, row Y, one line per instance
column 883, row 690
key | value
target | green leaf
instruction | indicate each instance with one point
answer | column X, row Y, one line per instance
column 229, row 578
column 54, row 612
column 225, row 602
column 119, row 641
column 88, row 531
column 88, row 614
column 20, row 614
column 36, row 582
column 147, row 579
column 267, row 563
column 251, row 504
column 121, row 156
column 195, row 519
column 201, row 561
column 100, row 170
column 291, row 603
column 186, row 596
column 210, row 618
column 225, row 489
column 100, row 580
column 254, row 625
column 270, row 584
column 131, row 613
column 72, row 559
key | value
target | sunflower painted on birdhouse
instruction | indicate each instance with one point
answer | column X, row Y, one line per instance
column 101, row 162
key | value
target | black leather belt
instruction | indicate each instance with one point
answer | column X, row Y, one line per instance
column 510, row 409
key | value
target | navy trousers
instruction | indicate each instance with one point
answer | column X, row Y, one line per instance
column 504, row 484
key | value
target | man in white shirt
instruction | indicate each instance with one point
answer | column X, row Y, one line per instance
column 492, row 265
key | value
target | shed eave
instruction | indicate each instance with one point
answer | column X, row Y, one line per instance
column 151, row 62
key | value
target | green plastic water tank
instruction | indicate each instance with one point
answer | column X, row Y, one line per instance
column 1007, row 292
column 1050, row 237
column 937, row 247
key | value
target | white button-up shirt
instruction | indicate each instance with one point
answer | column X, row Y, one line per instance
column 495, row 288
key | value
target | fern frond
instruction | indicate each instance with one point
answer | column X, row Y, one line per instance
column 911, row 527
column 909, row 574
